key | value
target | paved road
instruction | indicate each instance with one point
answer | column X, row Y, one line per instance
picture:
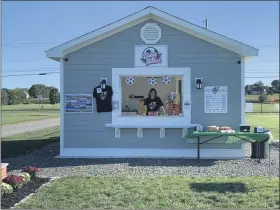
column 8, row 130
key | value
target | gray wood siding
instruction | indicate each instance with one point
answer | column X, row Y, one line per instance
column 85, row 67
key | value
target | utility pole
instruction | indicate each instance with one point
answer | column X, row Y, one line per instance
column 206, row 23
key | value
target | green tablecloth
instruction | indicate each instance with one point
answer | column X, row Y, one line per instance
column 232, row 137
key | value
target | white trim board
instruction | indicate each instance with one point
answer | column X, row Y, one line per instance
column 62, row 105
column 150, row 153
column 141, row 16
column 243, row 59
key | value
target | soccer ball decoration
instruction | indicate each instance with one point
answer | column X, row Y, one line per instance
column 130, row 80
column 165, row 79
column 152, row 81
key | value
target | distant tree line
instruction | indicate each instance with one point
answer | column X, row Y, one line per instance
column 259, row 88
column 263, row 90
column 24, row 95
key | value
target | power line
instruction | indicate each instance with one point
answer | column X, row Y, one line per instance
column 255, row 70
column 264, row 72
column 40, row 74
column 264, row 77
column 31, row 70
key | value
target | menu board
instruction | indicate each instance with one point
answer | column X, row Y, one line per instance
column 215, row 99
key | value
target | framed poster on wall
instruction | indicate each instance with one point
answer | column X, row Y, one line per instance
column 150, row 55
column 215, row 99
column 78, row 103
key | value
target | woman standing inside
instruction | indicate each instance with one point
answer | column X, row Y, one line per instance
column 152, row 104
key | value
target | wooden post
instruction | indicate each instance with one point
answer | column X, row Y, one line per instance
column 38, row 108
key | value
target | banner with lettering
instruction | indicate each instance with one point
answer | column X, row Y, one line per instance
column 150, row 55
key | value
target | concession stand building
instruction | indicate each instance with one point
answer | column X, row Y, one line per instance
column 135, row 87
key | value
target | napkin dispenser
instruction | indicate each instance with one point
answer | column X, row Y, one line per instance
column 244, row 128
column 199, row 128
column 259, row 129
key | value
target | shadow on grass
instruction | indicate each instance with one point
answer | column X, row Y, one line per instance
column 219, row 187
column 40, row 115
column 11, row 148
column 9, row 201
column 31, row 110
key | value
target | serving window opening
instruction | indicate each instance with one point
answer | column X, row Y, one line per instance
column 151, row 95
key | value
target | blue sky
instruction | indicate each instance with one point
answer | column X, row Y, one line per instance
column 30, row 28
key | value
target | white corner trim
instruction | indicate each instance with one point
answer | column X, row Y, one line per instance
column 242, row 79
column 150, row 153
column 141, row 16
column 62, row 105
column 242, row 90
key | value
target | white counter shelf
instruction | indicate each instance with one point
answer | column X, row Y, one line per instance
column 139, row 128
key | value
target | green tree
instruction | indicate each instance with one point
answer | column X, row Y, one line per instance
column 12, row 99
column 38, row 89
column 21, row 94
column 54, row 96
column 247, row 89
column 270, row 90
column 263, row 98
column 259, row 86
column 275, row 83
column 4, row 96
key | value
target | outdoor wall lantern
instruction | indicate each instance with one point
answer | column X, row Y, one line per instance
column 103, row 83
column 198, row 83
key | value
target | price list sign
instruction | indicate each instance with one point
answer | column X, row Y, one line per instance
column 215, row 99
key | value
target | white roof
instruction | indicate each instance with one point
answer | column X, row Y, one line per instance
column 151, row 13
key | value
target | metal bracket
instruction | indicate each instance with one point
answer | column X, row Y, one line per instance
column 139, row 133
column 117, row 133
column 162, row 133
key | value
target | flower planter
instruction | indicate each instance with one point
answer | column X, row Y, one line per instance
column 4, row 170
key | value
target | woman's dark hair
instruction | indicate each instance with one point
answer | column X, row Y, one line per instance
column 152, row 89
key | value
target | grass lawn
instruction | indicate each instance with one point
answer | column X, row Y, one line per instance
column 256, row 97
column 156, row 193
column 26, row 142
column 269, row 121
column 257, row 107
column 27, row 112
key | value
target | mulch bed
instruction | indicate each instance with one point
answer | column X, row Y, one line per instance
column 8, row 201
